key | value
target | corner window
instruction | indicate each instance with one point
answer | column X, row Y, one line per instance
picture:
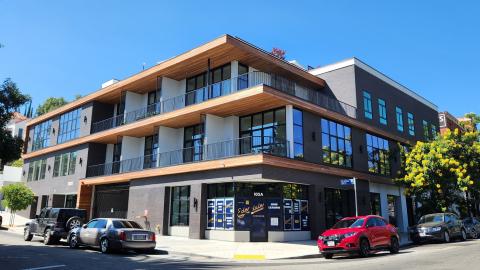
column 382, row 111
column 41, row 135
column 367, row 104
column 411, row 124
column 298, row 133
column 378, row 155
column 336, row 143
column 179, row 214
column 399, row 114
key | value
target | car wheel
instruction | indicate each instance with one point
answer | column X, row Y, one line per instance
column 446, row 237
column 48, row 239
column 73, row 241
column 104, row 245
column 328, row 256
column 73, row 223
column 364, row 250
column 464, row 235
column 474, row 234
column 27, row 236
column 394, row 245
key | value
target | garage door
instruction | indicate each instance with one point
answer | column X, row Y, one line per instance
column 111, row 201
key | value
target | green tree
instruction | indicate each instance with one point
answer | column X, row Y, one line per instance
column 17, row 163
column 16, row 197
column 10, row 100
column 50, row 104
column 440, row 173
column 475, row 121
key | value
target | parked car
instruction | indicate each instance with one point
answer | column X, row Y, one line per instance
column 54, row 224
column 440, row 227
column 112, row 234
column 472, row 226
column 359, row 235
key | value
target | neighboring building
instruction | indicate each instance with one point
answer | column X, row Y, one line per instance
column 229, row 142
column 17, row 125
column 467, row 123
column 9, row 175
column 449, row 122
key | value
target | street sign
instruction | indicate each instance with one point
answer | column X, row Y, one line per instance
column 347, row 182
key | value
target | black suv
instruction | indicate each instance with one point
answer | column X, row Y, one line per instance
column 54, row 224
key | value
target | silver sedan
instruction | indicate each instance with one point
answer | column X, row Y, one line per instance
column 112, row 234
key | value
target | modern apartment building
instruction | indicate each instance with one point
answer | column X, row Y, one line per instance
column 227, row 141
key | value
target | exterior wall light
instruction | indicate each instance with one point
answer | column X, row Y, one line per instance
column 85, row 119
column 80, row 161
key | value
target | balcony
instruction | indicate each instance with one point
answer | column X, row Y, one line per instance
column 225, row 88
column 215, row 151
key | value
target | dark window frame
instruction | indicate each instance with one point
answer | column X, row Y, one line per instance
column 183, row 216
column 328, row 136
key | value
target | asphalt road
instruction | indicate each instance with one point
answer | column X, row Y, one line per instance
column 17, row 254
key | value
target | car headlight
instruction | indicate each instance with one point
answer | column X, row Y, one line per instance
column 436, row 229
column 320, row 237
column 349, row 234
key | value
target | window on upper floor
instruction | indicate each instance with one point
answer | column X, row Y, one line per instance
column 399, row 114
column 36, row 170
column 382, row 111
column 297, row 133
column 20, row 133
column 41, row 135
column 378, row 155
column 150, row 152
column 411, row 124
column 193, row 143
column 426, row 134
column 434, row 131
column 336, row 143
column 64, row 164
column 196, row 86
column 367, row 104
column 69, row 126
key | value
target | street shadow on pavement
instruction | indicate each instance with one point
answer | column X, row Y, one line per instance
column 3, row 228
column 371, row 256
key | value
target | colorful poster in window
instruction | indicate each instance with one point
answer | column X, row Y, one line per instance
column 210, row 214
column 242, row 213
column 229, row 212
column 219, row 213
column 304, row 215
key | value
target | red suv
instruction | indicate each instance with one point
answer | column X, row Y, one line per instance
column 362, row 235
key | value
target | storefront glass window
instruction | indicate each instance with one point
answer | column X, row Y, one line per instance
column 337, row 205
column 179, row 214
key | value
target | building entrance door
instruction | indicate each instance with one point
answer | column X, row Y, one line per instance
column 258, row 232
column 111, row 201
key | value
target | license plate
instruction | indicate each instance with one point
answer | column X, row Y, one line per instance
column 331, row 243
column 422, row 234
column 139, row 237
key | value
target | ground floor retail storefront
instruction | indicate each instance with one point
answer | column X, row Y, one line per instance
column 258, row 203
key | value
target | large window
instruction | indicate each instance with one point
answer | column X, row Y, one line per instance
column 297, row 133
column 338, row 205
column 378, row 155
column 69, row 127
column 64, row 164
column 382, row 111
column 180, row 206
column 263, row 131
column 411, row 124
column 36, row 170
column 399, row 114
column 434, row 131
column 426, row 134
column 71, row 201
column 336, row 143
column 193, row 143
column 367, row 104
column 41, row 135
column 150, row 152
column 196, row 86
column 220, row 206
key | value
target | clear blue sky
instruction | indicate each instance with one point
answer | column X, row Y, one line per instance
column 62, row 48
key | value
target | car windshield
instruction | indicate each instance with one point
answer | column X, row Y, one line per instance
column 125, row 224
column 431, row 218
column 349, row 223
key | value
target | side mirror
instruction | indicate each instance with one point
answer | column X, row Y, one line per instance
column 84, row 226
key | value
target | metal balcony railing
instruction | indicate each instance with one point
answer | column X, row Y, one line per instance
column 224, row 88
column 214, row 151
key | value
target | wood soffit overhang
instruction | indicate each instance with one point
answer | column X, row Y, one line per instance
column 255, row 99
column 220, row 51
column 252, row 160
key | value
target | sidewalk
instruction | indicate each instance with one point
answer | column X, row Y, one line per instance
column 237, row 250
